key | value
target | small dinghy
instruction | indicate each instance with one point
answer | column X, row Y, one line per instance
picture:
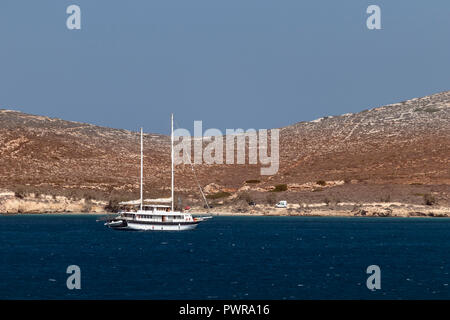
column 116, row 224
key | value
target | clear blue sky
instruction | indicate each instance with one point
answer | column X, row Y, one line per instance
column 231, row 63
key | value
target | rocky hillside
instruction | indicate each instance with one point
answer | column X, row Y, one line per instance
column 404, row 148
column 406, row 142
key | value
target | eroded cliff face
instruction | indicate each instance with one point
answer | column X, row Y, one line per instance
column 402, row 144
column 9, row 203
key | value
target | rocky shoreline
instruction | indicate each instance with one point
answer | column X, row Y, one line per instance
column 10, row 204
column 344, row 210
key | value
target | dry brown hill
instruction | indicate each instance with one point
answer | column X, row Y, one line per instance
column 403, row 148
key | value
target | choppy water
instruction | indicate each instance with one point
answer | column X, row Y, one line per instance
column 226, row 258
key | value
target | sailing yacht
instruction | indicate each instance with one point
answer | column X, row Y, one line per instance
column 156, row 217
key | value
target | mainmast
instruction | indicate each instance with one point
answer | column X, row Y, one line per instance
column 171, row 145
column 142, row 169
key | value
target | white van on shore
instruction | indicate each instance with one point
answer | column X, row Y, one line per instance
column 281, row 204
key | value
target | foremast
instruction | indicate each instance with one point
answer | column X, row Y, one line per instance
column 142, row 172
column 171, row 147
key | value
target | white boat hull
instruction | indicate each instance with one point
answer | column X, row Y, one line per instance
column 130, row 225
column 161, row 227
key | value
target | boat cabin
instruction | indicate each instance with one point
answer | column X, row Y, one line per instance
column 154, row 213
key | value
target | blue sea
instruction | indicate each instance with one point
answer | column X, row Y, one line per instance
column 226, row 258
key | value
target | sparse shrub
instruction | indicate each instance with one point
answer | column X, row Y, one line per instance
column 71, row 194
column 87, row 196
column 20, row 193
column 321, row 183
column 113, row 205
column 429, row 200
column 245, row 196
column 280, row 188
column 218, row 195
column 252, row 181
column 327, row 201
column 271, row 199
column 431, row 110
